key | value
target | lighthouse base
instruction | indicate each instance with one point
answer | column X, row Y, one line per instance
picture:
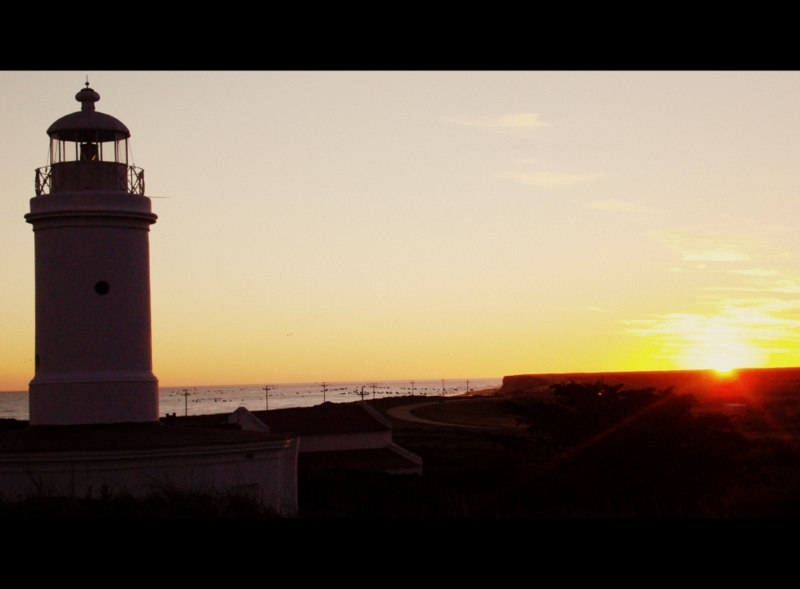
column 93, row 401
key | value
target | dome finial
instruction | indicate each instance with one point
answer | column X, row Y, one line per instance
column 87, row 97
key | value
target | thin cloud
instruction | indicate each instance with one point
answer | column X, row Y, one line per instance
column 703, row 246
column 785, row 286
column 768, row 321
column 718, row 254
column 765, row 280
column 524, row 121
column 548, row 178
column 758, row 272
column 621, row 206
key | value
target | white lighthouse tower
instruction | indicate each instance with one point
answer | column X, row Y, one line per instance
column 91, row 223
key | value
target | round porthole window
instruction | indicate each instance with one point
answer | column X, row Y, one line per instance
column 101, row 287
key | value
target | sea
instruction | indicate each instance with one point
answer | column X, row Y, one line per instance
column 209, row 400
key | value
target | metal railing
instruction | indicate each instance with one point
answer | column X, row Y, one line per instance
column 131, row 182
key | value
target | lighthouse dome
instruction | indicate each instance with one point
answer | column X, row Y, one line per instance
column 88, row 124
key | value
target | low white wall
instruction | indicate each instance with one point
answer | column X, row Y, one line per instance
column 266, row 470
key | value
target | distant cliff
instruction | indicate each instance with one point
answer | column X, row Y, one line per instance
column 525, row 383
column 697, row 382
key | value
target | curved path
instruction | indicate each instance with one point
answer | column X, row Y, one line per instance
column 405, row 412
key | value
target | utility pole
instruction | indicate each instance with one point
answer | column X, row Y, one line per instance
column 186, row 402
column 266, row 393
column 362, row 392
column 324, row 390
column 373, row 390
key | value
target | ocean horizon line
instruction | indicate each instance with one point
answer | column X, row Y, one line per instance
column 308, row 383
column 367, row 382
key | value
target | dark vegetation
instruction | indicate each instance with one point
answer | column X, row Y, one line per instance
column 583, row 450
column 164, row 505
column 570, row 449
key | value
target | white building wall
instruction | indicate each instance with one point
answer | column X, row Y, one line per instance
column 266, row 470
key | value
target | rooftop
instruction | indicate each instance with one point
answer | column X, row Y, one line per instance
column 126, row 436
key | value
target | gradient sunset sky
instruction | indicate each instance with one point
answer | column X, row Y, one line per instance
column 362, row 225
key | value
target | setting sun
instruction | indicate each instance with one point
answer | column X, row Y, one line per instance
column 724, row 356
column 724, row 369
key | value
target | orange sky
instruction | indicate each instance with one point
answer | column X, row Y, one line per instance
column 410, row 225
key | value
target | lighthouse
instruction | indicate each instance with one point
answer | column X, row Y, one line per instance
column 91, row 222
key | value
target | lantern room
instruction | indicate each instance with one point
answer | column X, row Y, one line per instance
column 88, row 151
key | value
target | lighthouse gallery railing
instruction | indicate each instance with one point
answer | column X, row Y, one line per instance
column 71, row 176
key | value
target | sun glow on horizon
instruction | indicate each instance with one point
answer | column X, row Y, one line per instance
column 722, row 350
column 725, row 374
column 724, row 367
column 717, row 343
